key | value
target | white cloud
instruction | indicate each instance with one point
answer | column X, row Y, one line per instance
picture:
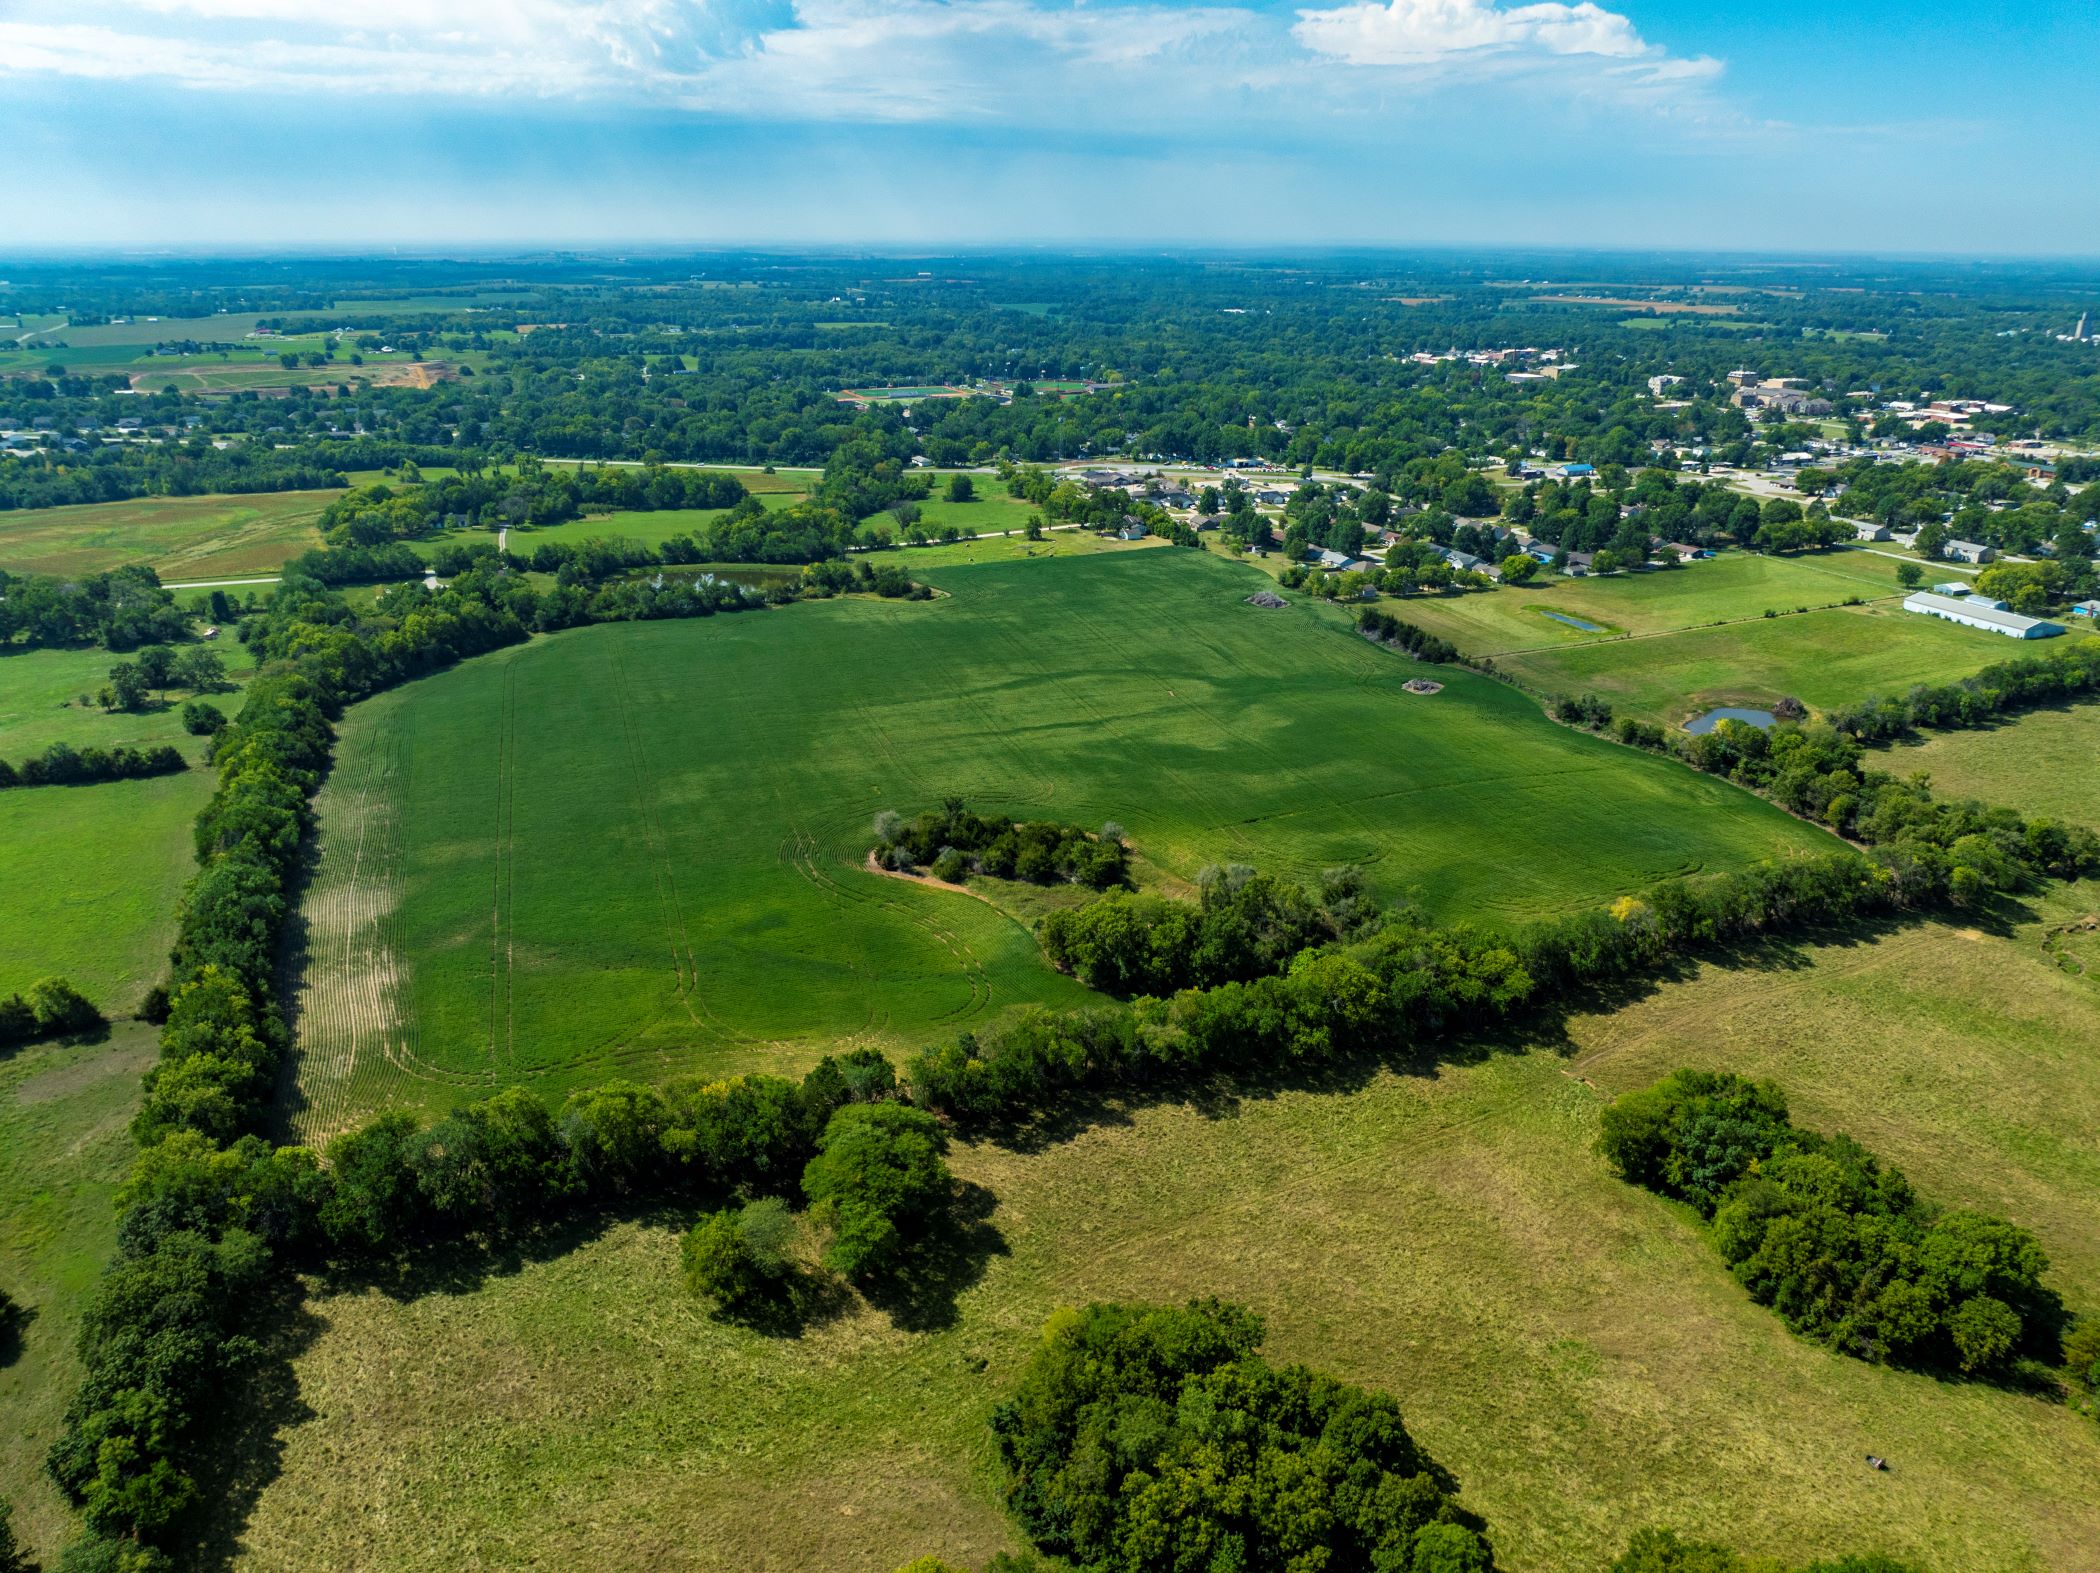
column 1439, row 32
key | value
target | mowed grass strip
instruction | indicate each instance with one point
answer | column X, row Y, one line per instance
column 213, row 537
column 89, row 878
column 1569, row 1345
column 65, row 1145
column 639, row 849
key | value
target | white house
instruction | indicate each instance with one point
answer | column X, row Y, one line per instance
column 1976, row 611
column 1867, row 531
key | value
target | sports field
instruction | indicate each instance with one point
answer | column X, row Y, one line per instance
column 639, row 848
column 1570, row 1346
column 2042, row 762
column 215, row 537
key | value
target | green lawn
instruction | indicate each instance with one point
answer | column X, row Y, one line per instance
column 40, row 693
column 1569, row 1345
column 65, row 1109
column 639, row 848
column 179, row 537
column 90, row 876
column 2043, row 762
column 1823, row 659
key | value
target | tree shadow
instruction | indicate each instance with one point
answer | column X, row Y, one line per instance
column 805, row 1298
column 918, row 1292
column 14, row 1328
column 260, row 1407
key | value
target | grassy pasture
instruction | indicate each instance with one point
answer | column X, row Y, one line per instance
column 2042, row 762
column 1823, row 658
column 213, row 537
column 40, row 690
column 1570, row 1346
column 89, row 876
column 1722, row 589
column 639, row 848
column 64, row 1147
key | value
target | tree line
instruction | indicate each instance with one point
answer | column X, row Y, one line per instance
column 1398, row 634
column 2069, row 671
column 64, row 765
column 1832, row 1238
column 530, row 495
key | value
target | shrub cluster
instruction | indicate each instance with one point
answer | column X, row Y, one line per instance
column 2070, row 670
column 953, row 843
column 1403, row 635
column 835, row 577
column 63, row 765
column 1152, row 1439
column 1243, row 925
column 52, row 1008
column 1830, row 1237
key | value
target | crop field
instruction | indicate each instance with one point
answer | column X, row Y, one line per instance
column 2043, row 762
column 216, row 537
column 64, row 1147
column 1823, row 659
column 640, row 848
column 41, row 690
column 1723, row 589
column 1570, row 1346
column 91, row 875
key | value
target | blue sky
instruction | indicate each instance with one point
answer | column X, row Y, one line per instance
column 1861, row 126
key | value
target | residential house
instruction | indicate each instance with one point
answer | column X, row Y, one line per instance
column 1968, row 552
column 1867, row 530
column 2086, row 609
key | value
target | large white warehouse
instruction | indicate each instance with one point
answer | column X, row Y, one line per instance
column 1974, row 611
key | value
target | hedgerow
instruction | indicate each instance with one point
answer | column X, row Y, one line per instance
column 63, row 765
column 955, row 843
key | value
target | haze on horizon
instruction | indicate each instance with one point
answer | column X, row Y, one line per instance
column 1872, row 127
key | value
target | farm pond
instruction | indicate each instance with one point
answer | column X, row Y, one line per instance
column 1713, row 718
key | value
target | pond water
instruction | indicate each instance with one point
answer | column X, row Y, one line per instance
column 1573, row 622
column 1713, row 718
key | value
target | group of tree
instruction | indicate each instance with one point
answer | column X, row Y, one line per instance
column 1399, row 634
column 1242, row 925
column 524, row 496
column 51, row 1008
column 159, row 668
column 62, row 764
column 187, row 468
column 1832, row 1238
column 121, row 610
column 1153, row 1439
column 953, row 842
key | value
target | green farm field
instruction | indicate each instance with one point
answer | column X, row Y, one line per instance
column 640, row 848
column 65, row 1144
column 89, row 877
column 2043, row 762
column 180, row 538
column 1570, row 1346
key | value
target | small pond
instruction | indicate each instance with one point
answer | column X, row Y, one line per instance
column 1575, row 622
column 1713, row 718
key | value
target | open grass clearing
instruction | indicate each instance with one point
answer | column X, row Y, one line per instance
column 1570, row 1346
column 89, row 876
column 41, row 692
column 2041, row 762
column 65, row 1144
column 212, row 537
column 639, row 849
